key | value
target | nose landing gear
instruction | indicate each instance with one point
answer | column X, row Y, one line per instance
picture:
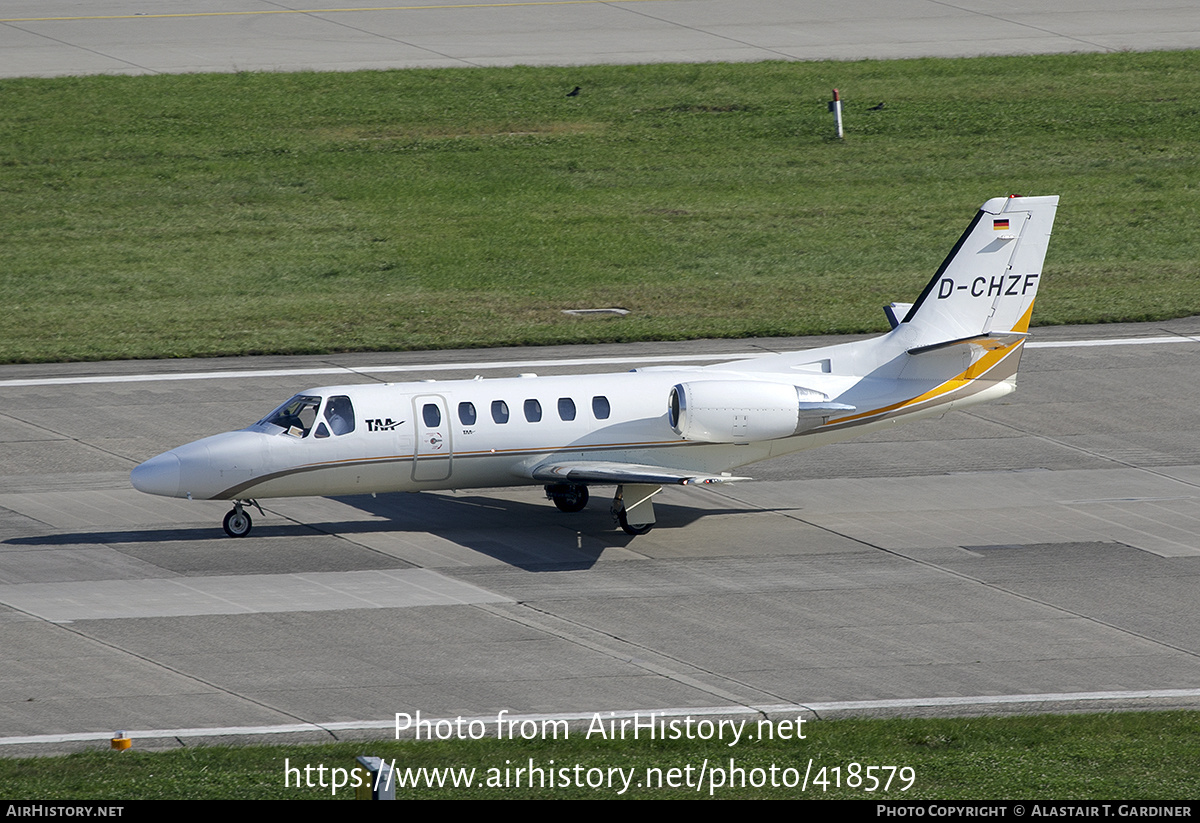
column 238, row 523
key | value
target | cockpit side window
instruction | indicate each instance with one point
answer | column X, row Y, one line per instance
column 339, row 411
column 296, row 416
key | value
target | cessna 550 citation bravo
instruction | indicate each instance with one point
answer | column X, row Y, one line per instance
column 959, row 344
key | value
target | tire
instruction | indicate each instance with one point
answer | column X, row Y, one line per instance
column 568, row 497
column 633, row 531
column 237, row 523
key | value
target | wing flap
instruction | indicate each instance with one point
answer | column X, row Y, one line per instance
column 590, row 471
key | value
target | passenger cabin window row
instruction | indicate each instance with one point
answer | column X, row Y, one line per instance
column 333, row 416
column 531, row 408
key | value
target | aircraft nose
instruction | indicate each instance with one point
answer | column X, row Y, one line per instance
column 158, row 475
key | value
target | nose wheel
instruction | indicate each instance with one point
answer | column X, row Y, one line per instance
column 238, row 523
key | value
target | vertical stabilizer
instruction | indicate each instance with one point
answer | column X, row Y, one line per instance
column 988, row 283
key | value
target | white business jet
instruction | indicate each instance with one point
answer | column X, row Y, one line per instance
column 958, row 344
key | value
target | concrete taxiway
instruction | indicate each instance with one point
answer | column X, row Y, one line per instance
column 1045, row 545
column 62, row 37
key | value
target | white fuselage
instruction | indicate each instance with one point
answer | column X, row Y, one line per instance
column 399, row 444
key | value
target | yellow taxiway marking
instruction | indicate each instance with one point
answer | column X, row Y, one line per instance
column 149, row 16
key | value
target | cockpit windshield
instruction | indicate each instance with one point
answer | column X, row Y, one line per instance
column 296, row 416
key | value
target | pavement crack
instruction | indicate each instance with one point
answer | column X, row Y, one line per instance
column 977, row 13
column 1045, row 438
column 158, row 664
column 676, row 24
column 647, row 659
column 318, row 14
column 994, row 586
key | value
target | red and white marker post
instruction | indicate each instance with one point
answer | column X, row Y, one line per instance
column 835, row 106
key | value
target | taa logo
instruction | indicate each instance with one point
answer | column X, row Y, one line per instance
column 377, row 425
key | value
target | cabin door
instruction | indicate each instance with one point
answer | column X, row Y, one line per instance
column 432, row 456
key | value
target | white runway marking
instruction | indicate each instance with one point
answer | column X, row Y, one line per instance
column 1118, row 341
column 509, row 364
column 344, row 370
column 859, row 706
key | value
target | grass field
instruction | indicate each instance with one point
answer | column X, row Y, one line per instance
column 230, row 214
column 1126, row 756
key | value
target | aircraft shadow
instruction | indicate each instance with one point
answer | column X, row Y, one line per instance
column 529, row 536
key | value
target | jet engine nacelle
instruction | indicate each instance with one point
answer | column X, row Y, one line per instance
column 740, row 411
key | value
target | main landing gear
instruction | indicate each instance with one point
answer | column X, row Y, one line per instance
column 631, row 507
column 237, row 522
column 569, row 497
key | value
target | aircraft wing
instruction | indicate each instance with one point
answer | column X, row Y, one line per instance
column 594, row 471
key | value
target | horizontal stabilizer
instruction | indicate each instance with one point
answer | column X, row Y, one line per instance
column 896, row 312
column 587, row 471
column 990, row 342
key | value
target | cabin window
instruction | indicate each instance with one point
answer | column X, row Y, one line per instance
column 466, row 413
column 322, row 431
column 533, row 411
column 432, row 415
column 499, row 411
column 296, row 416
column 600, row 407
column 566, row 408
column 339, row 413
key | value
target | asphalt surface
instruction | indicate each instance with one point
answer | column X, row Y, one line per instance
column 1046, row 545
column 65, row 37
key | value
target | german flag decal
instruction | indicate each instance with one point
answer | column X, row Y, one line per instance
column 1000, row 225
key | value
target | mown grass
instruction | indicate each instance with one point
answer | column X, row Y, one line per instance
column 292, row 213
column 1126, row 756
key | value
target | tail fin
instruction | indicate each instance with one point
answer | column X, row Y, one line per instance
column 986, row 287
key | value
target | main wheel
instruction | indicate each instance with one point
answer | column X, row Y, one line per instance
column 569, row 497
column 237, row 523
column 632, row 530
